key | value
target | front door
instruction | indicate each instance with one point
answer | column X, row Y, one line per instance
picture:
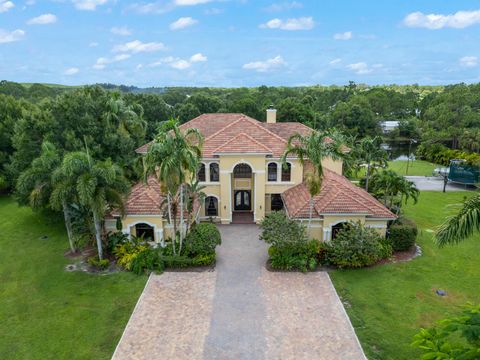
column 242, row 200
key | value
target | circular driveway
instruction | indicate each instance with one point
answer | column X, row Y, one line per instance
column 239, row 311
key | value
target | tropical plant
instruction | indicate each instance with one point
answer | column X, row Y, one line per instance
column 194, row 197
column 202, row 240
column 173, row 158
column 313, row 149
column 368, row 152
column 393, row 188
column 462, row 225
column 278, row 230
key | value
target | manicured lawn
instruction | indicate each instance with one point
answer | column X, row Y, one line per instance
column 45, row 312
column 388, row 304
column 415, row 168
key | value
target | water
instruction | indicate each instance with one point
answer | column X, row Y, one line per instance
column 398, row 150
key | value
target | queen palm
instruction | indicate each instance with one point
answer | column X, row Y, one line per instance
column 313, row 149
column 388, row 185
column 173, row 156
column 98, row 185
column 368, row 152
column 462, row 225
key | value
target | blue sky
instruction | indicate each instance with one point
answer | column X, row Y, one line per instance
column 240, row 42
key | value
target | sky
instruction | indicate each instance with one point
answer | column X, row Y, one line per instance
column 232, row 43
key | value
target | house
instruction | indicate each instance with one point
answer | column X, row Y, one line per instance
column 244, row 180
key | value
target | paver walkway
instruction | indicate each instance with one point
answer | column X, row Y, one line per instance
column 239, row 311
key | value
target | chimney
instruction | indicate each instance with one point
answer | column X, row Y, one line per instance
column 271, row 115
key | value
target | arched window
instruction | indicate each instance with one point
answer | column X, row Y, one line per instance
column 276, row 202
column 201, row 173
column 242, row 171
column 286, row 172
column 144, row 231
column 337, row 228
column 214, row 172
column 272, row 171
column 211, row 206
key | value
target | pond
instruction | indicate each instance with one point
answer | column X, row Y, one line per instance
column 399, row 150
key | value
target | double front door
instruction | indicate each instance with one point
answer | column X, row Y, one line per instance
column 242, row 200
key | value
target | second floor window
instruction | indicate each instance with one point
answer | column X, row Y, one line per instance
column 272, row 172
column 201, row 173
column 214, row 172
column 286, row 172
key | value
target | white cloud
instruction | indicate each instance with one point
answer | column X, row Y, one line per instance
column 122, row 31
column 267, row 65
column 11, row 36
column 213, row 11
column 44, row 19
column 347, row 35
column 459, row 20
column 284, row 6
column 102, row 62
column 469, row 61
column 88, row 4
column 303, row 23
column 335, row 61
column 183, row 23
column 71, row 71
column 362, row 68
column 137, row 46
column 6, row 5
column 180, row 64
column 93, row 44
column 199, row 57
column 190, row 2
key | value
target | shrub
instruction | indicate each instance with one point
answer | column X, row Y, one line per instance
column 278, row 230
column 301, row 256
column 202, row 240
column 402, row 234
column 357, row 246
column 99, row 264
column 114, row 239
column 125, row 253
column 146, row 261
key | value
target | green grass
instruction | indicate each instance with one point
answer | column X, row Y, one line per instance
column 415, row 168
column 389, row 303
column 46, row 312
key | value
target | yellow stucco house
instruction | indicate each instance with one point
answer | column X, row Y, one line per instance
column 244, row 180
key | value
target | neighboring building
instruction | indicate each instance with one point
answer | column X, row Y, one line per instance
column 244, row 180
column 389, row 125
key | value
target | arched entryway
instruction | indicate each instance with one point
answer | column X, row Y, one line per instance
column 242, row 193
column 145, row 231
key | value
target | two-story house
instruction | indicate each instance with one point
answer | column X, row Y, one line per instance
column 244, row 180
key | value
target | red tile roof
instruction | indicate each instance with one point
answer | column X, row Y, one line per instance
column 242, row 143
column 144, row 199
column 337, row 196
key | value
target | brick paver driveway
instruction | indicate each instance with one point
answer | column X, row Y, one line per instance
column 239, row 311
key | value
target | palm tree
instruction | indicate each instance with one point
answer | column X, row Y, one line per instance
column 127, row 118
column 388, row 185
column 462, row 225
column 99, row 185
column 368, row 152
column 313, row 149
column 173, row 156
column 193, row 195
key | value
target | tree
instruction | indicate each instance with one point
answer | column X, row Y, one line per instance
column 313, row 149
column 462, row 225
column 369, row 152
column 99, row 185
column 389, row 186
column 193, row 196
column 173, row 156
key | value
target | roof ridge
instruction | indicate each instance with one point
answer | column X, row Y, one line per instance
column 242, row 134
column 258, row 124
column 226, row 127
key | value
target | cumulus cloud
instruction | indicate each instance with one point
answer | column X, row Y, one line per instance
column 362, row 68
column 122, row 31
column 102, row 62
column 347, row 35
column 469, row 61
column 71, row 71
column 284, row 6
column 302, row 23
column 6, row 5
column 191, row 2
column 11, row 36
column 459, row 20
column 137, row 46
column 267, row 65
column 44, row 19
column 335, row 61
column 183, row 23
column 89, row 5
column 199, row 57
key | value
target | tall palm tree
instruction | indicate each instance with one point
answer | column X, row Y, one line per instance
column 99, row 185
column 462, row 225
column 388, row 185
column 313, row 149
column 173, row 157
column 193, row 195
column 368, row 152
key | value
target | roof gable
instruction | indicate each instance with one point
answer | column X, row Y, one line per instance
column 242, row 143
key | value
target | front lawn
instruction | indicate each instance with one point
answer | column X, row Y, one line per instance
column 388, row 304
column 46, row 312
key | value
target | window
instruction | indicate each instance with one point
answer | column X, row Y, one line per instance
column 337, row 228
column 242, row 171
column 286, row 172
column 214, row 172
column 272, row 172
column 145, row 232
column 277, row 202
column 211, row 206
column 201, row 172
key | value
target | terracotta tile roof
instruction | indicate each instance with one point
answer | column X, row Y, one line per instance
column 287, row 129
column 337, row 196
column 242, row 143
column 144, row 199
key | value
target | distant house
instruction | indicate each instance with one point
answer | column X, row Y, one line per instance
column 244, row 180
column 389, row 125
